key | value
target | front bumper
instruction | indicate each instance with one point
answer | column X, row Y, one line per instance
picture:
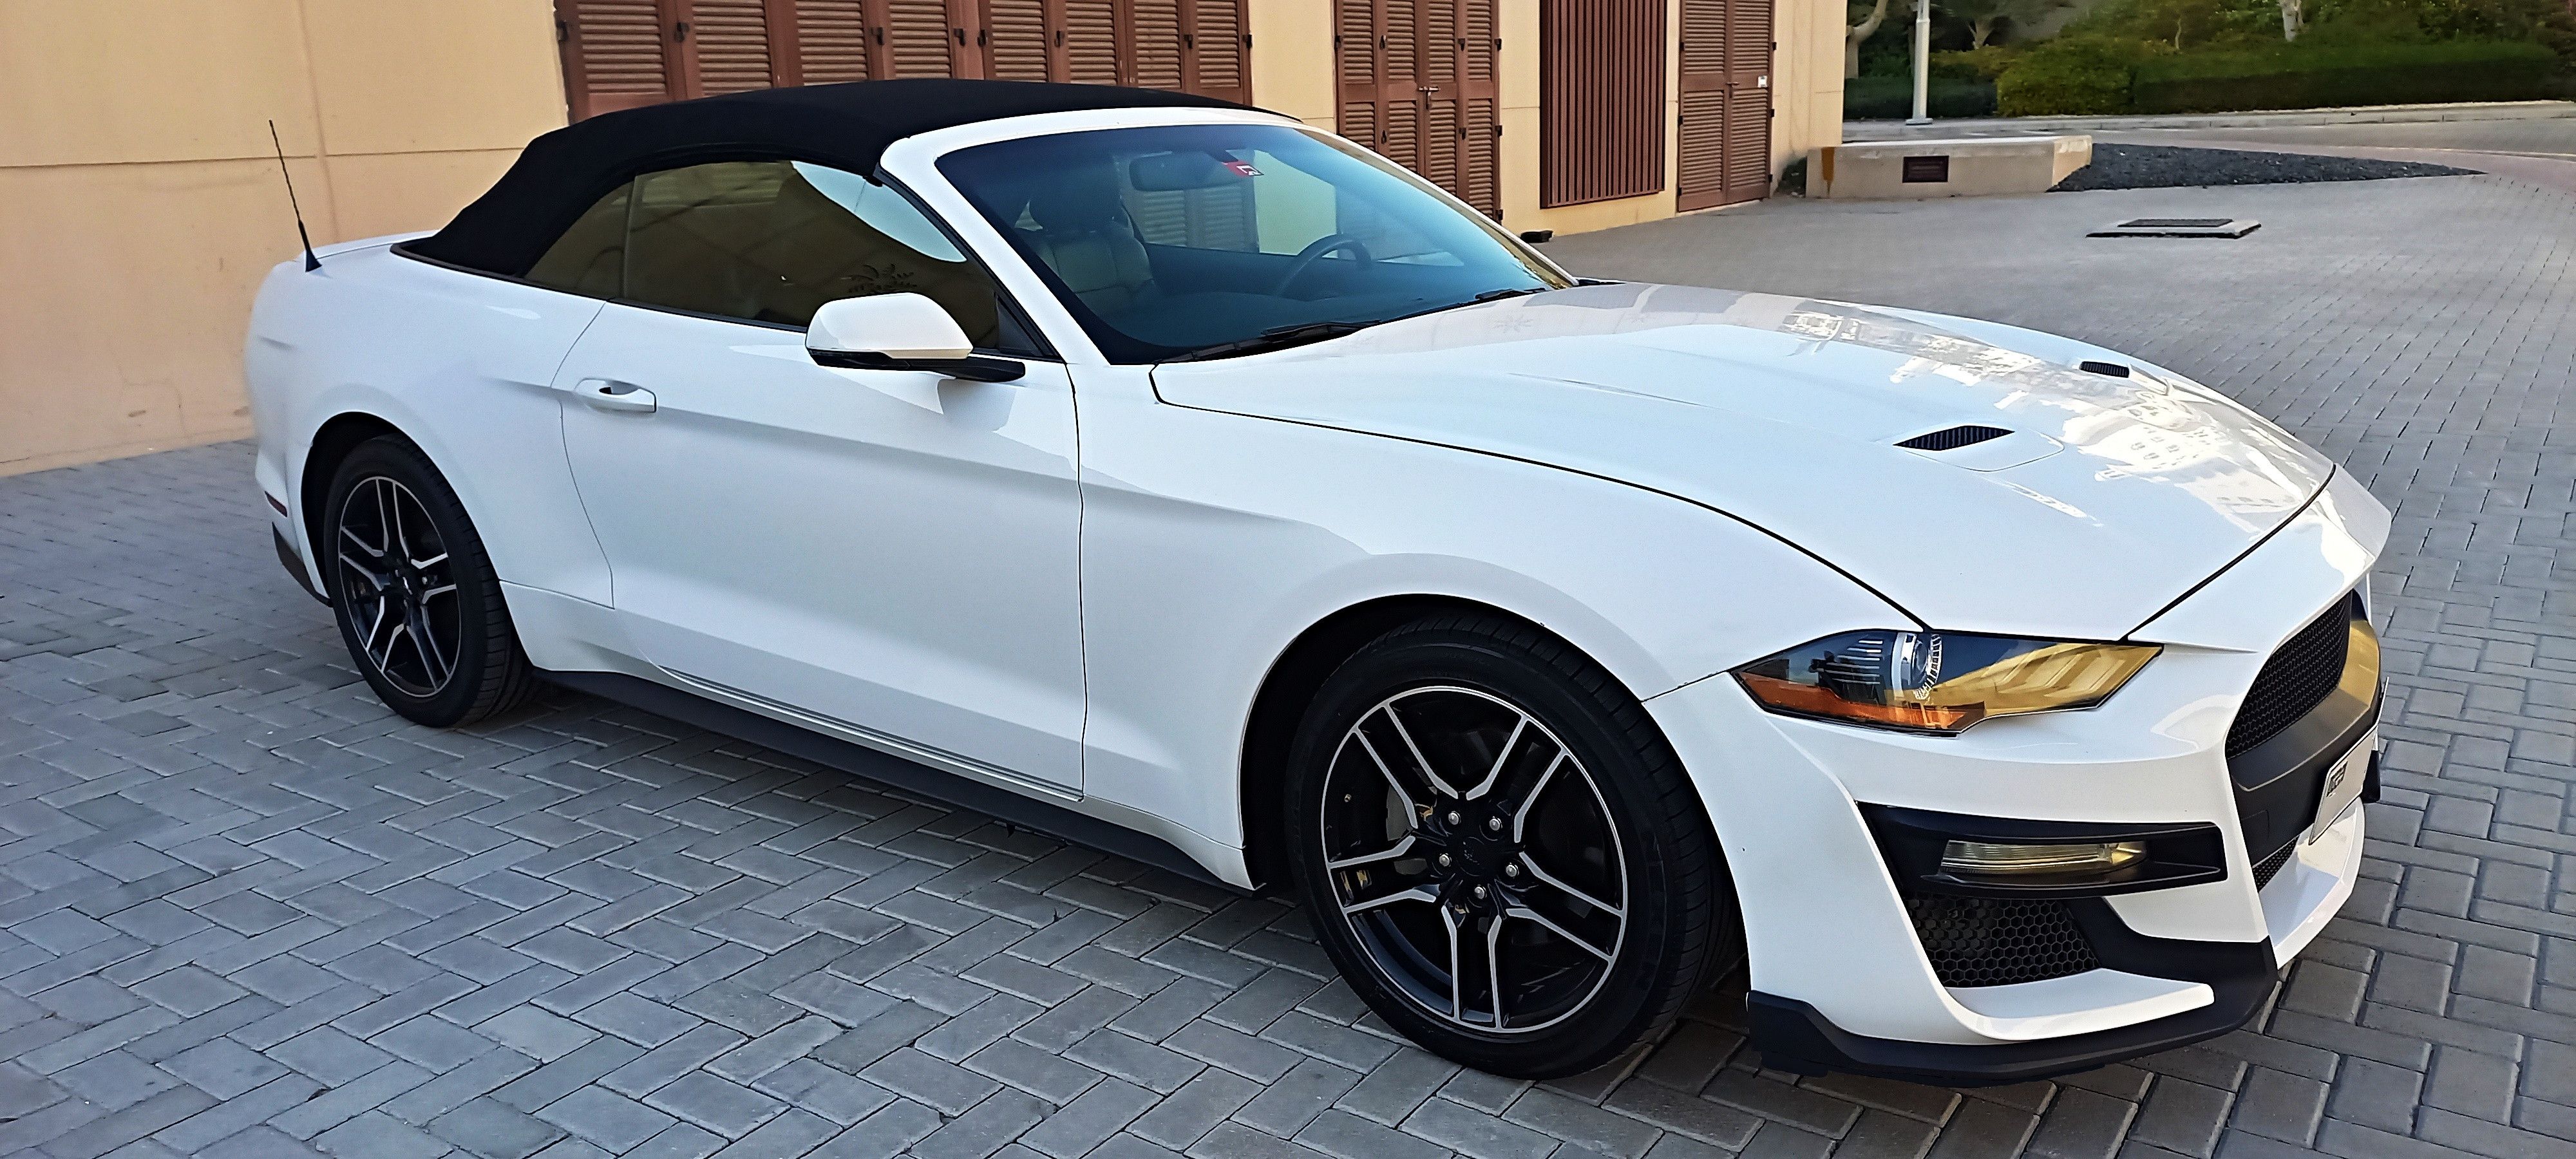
column 1840, row 977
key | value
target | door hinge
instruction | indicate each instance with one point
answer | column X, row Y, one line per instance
column 680, row 31
column 563, row 32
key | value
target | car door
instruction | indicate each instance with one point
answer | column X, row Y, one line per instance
column 887, row 553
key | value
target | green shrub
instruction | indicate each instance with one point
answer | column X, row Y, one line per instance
column 2071, row 75
column 1984, row 65
column 2329, row 75
column 1881, row 98
column 2182, row 25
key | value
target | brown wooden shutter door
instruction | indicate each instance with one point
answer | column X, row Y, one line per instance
column 619, row 54
column 913, row 38
column 1196, row 46
column 1726, row 102
column 1086, row 42
column 1217, row 50
column 1015, row 39
column 1601, row 100
column 1417, row 84
column 727, row 47
column 832, row 41
column 614, row 55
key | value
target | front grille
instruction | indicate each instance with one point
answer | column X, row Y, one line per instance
column 1987, row 941
column 2296, row 679
column 2271, row 866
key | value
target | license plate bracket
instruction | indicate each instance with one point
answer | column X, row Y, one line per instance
column 2343, row 784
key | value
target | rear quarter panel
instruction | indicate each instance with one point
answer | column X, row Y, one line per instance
column 461, row 364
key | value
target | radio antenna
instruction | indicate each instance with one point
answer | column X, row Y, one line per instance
column 311, row 263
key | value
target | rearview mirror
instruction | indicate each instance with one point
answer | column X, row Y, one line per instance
column 1166, row 172
column 899, row 332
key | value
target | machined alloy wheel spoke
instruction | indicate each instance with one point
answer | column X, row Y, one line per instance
column 433, row 659
column 1530, row 915
column 384, row 615
column 1531, row 863
column 1479, row 857
column 1398, row 850
column 1501, row 757
column 1439, row 783
column 1520, row 815
column 1457, row 976
column 1415, row 894
column 371, row 575
column 396, row 576
column 389, row 504
column 1411, row 810
column 383, row 654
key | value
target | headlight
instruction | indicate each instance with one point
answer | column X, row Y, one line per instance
column 1938, row 682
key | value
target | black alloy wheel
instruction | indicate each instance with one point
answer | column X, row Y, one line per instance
column 415, row 595
column 1499, row 850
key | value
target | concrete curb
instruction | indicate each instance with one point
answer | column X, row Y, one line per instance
column 2361, row 115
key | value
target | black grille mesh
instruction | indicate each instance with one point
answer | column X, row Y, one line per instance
column 1953, row 438
column 2293, row 681
column 2271, row 866
column 1987, row 941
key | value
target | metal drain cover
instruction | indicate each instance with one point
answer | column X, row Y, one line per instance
column 2180, row 227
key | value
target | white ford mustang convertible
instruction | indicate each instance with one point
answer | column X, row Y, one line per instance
column 1195, row 484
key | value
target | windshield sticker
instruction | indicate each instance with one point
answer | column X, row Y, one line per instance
column 1243, row 168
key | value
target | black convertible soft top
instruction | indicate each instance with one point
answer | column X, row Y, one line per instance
column 845, row 126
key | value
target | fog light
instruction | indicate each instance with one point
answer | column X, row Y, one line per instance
column 1984, row 859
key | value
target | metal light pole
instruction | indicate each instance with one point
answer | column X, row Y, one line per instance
column 1922, row 64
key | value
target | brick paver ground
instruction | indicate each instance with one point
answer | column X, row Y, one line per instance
column 246, row 912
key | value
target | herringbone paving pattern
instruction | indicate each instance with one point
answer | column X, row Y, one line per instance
column 244, row 911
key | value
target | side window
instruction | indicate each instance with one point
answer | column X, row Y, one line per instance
column 590, row 258
column 771, row 241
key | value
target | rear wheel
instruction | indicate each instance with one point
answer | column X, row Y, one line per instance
column 418, row 603
column 1499, row 849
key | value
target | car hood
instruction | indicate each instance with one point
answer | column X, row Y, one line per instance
column 2110, row 497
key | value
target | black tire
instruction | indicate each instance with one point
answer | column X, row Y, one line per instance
column 1673, row 906
column 463, row 662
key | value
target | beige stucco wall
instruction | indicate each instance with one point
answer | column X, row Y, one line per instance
column 1292, row 58
column 1806, row 78
column 140, row 205
column 140, row 202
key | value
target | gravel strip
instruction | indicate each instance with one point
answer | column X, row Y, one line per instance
column 2165, row 166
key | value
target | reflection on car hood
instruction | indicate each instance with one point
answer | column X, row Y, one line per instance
column 2109, row 498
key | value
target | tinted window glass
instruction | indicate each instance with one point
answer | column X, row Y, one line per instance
column 590, row 258
column 771, row 241
column 1168, row 241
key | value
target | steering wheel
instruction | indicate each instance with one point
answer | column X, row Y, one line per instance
column 1305, row 258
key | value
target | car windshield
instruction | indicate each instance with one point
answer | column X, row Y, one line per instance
column 1204, row 241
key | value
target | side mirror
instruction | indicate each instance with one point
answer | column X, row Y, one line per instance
column 899, row 332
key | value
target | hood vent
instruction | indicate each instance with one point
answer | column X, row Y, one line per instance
column 1953, row 438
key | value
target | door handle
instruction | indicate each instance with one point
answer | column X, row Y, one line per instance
column 625, row 397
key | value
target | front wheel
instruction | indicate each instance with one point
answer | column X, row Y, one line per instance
column 1500, row 850
column 416, row 597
